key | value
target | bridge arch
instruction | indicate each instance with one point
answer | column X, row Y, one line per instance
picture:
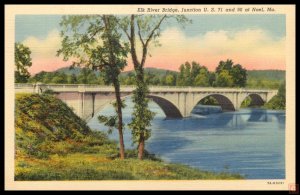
column 225, row 103
column 256, row 100
column 169, row 109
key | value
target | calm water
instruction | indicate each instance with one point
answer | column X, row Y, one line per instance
column 249, row 142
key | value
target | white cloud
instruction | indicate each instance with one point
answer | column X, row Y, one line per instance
column 254, row 48
column 246, row 44
column 44, row 48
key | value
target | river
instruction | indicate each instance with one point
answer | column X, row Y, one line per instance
column 250, row 142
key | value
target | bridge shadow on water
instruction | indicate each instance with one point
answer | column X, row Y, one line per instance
column 172, row 134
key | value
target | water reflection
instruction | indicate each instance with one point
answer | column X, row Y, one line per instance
column 248, row 141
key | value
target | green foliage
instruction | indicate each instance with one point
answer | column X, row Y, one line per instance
column 273, row 75
column 278, row 102
column 95, row 42
column 49, row 92
column 142, row 115
column 239, row 75
column 257, row 79
column 147, row 28
column 246, row 102
column 22, row 62
column 45, row 125
column 270, row 79
column 193, row 75
column 230, row 75
column 202, row 79
column 224, row 79
column 59, row 78
column 265, row 79
column 209, row 101
column 108, row 55
column 109, row 121
column 84, row 76
column 263, row 83
column 170, row 79
column 80, row 166
column 112, row 121
column 72, row 79
column 224, row 65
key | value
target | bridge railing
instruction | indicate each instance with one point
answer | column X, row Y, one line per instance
column 95, row 88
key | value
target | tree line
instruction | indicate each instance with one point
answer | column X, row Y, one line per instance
column 197, row 76
column 190, row 74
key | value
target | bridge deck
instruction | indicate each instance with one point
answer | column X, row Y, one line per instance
column 98, row 88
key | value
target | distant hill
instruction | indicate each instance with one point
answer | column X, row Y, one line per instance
column 156, row 71
column 74, row 70
column 69, row 71
column 266, row 74
column 252, row 74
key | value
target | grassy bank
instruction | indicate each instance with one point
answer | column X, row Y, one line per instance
column 52, row 143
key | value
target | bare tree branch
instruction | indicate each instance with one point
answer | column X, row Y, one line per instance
column 145, row 46
column 124, row 30
column 132, row 43
column 139, row 32
column 154, row 29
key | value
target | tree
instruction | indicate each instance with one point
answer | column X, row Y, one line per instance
column 170, row 80
column 59, row 78
column 188, row 73
column 202, row 79
column 149, row 78
column 22, row 62
column 224, row 79
column 72, row 79
column 195, row 70
column 282, row 90
column 211, row 78
column 227, row 65
column 48, row 78
column 237, row 74
column 87, row 76
column 94, row 41
column 83, row 75
column 278, row 102
column 181, row 77
column 37, row 77
column 147, row 28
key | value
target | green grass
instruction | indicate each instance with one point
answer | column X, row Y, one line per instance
column 52, row 143
column 80, row 166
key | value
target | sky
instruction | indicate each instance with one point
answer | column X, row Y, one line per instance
column 254, row 41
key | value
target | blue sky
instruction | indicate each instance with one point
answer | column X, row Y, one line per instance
column 40, row 25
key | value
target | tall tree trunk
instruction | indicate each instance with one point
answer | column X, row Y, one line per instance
column 116, row 84
column 141, row 147
column 140, row 80
column 120, row 119
column 138, row 67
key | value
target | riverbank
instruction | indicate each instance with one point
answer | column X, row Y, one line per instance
column 52, row 143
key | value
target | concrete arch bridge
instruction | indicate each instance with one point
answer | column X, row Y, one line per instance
column 176, row 102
